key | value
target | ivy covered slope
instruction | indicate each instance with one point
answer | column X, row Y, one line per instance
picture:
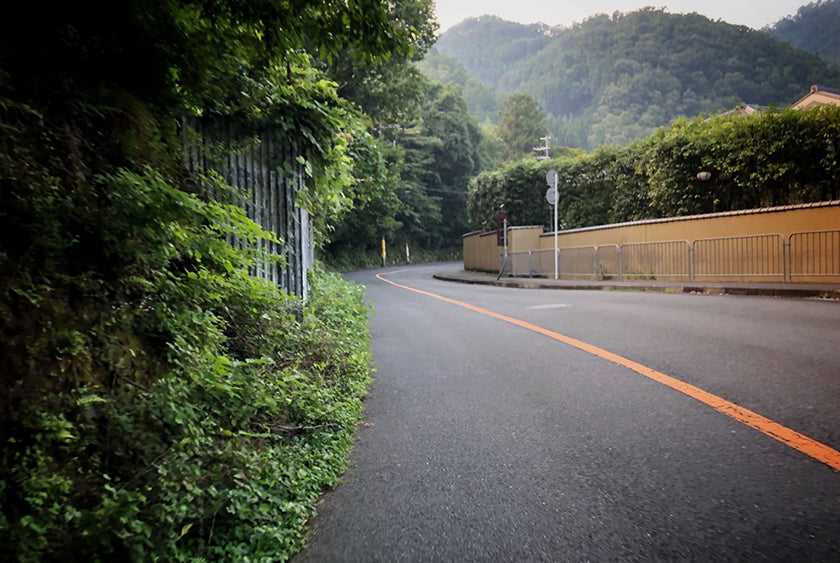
column 160, row 404
column 614, row 79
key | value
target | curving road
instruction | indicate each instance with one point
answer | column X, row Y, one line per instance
column 491, row 442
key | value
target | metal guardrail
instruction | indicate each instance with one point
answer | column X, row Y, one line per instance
column 803, row 254
column 669, row 259
column 748, row 256
column 579, row 261
column 814, row 253
column 609, row 262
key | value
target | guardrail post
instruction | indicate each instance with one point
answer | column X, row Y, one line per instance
column 530, row 267
column 786, row 258
column 620, row 264
column 691, row 266
column 597, row 262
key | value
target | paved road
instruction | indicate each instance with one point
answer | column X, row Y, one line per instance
column 490, row 442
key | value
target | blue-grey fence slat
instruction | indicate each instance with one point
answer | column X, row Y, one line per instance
column 267, row 176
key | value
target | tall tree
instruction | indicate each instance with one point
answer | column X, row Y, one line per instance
column 455, row 157
column 521, row 124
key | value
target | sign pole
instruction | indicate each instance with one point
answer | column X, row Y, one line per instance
column 553, row 198
column 505, row 231
column 555, row 225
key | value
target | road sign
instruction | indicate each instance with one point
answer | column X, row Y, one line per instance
column 551, row 177
column 552, row 196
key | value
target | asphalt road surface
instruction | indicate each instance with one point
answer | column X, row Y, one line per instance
column 488, row 441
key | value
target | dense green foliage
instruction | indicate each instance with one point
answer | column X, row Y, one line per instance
column 170, row 407
column 614, row 79
column 429, row 163
column 483, row 102
column 776, row 158
column 160, row 403
column 490, row 47
column 521, row 125
column 813, row 28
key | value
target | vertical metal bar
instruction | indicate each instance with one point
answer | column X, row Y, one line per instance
column 597, row 262
column 786, row 256
column 620, row 264
column 691, row 266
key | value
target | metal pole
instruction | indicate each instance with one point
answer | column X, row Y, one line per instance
column 556, row 200
column 505, row 235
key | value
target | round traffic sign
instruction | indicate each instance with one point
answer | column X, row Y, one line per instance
column 551, row 177
column 552, row 196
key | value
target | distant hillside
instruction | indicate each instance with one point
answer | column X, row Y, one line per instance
column 483, row 101
column 815, row 28
column 610, row 80
column 489, row 46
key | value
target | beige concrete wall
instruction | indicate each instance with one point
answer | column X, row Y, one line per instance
column 783, row 221
column 523, row 239
column 481, row 253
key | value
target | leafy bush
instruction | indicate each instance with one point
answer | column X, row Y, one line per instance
column 163, row 405
column 778, row 157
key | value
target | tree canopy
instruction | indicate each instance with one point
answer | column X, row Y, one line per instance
column 813, row 28
column 779, row 157
column 521, row 124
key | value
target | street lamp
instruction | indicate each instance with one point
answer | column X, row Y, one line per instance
column 704, row 176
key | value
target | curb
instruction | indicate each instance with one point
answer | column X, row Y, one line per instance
column 756, row 291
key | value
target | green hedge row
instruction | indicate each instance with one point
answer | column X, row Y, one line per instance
column 778, row 157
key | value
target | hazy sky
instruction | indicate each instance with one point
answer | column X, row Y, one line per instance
column 753, row 13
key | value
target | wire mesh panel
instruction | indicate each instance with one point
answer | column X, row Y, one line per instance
column 815, row 253
column 578, row 262
column 749, row 256
column 656, row 259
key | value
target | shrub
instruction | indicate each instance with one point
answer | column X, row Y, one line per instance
column 163, row 405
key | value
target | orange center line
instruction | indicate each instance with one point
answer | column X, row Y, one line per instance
column 792, row 438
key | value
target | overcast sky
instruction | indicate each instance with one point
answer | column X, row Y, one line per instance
column 753, row 13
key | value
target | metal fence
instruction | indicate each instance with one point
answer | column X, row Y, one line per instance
column 771, row 257
column 656, row 259
column 814, row 253
column 749, row 256
column 267, row 176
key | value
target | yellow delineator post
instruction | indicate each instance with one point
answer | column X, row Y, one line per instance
column 383, row 251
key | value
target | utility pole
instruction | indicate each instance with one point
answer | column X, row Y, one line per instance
column 543, row 149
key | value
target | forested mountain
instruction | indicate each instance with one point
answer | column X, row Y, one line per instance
column 483, row 101
column 613, row 79
column 489, row 47
column 814, row 28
